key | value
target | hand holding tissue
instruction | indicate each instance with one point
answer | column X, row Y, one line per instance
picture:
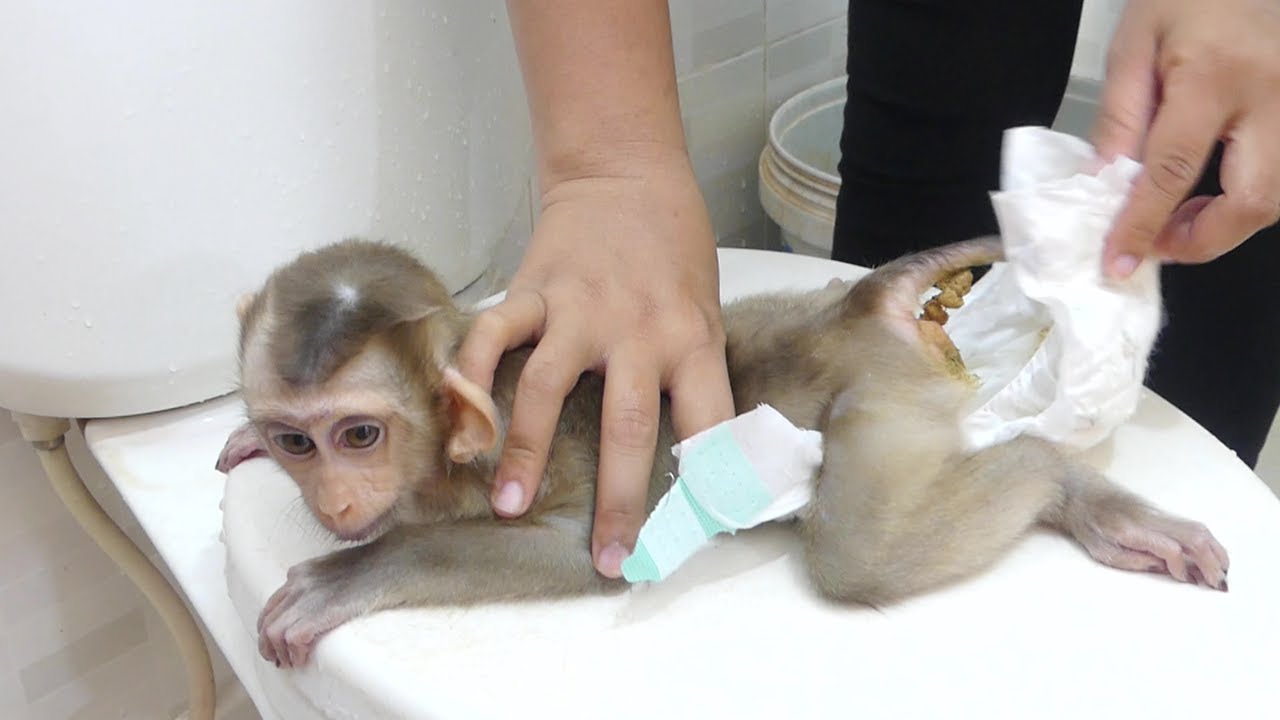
column 1057, row 351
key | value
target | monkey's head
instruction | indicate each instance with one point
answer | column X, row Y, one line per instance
column 346, row 377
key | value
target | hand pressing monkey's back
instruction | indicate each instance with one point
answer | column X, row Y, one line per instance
column 349, row 385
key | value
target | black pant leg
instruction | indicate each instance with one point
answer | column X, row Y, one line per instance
column 1218, row 356
column 932, row 86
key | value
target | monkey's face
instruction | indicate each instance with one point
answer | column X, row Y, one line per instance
column 343, row 441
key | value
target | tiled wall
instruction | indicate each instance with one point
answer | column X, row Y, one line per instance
column 737, row 60
column 77, row 640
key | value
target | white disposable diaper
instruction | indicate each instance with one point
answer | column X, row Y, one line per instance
column 1059, row 350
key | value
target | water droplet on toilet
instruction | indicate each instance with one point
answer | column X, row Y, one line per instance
column 88, row 322
column 173, row 367
column 75, row 304
column 493, row 17
column 426, row 114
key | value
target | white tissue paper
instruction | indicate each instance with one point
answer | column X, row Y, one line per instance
column 1060, row 352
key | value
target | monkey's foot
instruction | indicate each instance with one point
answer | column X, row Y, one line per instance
column 316, row 597
column 1147, row 540
column 243, row 444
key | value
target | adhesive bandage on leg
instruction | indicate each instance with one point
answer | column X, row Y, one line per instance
column 743, row 472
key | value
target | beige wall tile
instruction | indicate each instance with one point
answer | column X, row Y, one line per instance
column 77, row 658
column 803, row 60
column 786, row 17
column 706, row 32
column 723, row 108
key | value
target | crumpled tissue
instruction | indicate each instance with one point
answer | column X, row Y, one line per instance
column 1059, row 350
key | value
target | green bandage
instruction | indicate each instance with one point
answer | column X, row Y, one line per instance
column 738, row 474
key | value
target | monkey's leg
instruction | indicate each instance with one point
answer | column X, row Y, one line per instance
column 425, row 565
column 896, row 512
column 1121, row 530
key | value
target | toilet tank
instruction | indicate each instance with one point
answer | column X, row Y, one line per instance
column 159, row 158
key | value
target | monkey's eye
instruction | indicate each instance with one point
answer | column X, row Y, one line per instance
column 360, row 436
column 294, row 443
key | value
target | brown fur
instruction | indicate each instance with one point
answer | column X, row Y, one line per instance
column 899, row 508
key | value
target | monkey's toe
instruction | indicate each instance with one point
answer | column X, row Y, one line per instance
column 1182, row 549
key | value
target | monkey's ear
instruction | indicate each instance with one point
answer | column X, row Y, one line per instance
column 474, row 417
column 242, row 305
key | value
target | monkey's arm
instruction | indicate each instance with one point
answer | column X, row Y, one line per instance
column 426, row 565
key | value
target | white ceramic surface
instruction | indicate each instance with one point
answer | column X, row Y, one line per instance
column 1047, row 633
column 159, row 158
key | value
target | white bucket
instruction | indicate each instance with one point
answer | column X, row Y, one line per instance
column 799, row 180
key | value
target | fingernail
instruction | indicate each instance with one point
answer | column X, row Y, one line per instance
column 1124, row 265
column 611, row 560
column 510, row 499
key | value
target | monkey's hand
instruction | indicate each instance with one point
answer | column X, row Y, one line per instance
column 1123, row 532
column 426, row 565
column 318, row 595
column 243, row 444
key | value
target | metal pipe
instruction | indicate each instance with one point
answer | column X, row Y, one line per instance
column 47, row 437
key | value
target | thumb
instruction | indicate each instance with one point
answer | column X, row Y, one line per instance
column 1129, row 90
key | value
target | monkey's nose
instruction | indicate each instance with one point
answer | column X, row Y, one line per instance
column 339, row 514
column 335, row 510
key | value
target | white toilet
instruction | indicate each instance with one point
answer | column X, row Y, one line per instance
column 187, row 167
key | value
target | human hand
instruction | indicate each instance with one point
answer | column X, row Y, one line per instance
column 620, row 278
column 1182, row 74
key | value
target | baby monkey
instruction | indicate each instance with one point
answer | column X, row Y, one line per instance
column 349, row 384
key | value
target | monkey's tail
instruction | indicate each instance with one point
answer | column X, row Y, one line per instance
column 897, row 286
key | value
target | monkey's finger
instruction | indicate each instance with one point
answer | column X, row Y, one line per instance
column 628, row 437
column 267, row 650
column 276, row 602
column 1204, row 554
column 519, row 318
column 1163, row 547
column 700, row 393
column 549, row 374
